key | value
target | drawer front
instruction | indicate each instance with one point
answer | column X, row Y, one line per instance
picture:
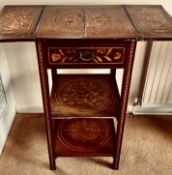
column 73, row 55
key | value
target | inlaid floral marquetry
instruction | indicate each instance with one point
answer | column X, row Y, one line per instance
column 19, row 21
column 84, row 136
column 84, row 56
column 62, row 22
column 85, row 22
column 84, row 96
column 108, row 22
column 151, row 21
column 82, row 110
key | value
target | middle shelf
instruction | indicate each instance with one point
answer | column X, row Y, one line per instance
column 84, row 96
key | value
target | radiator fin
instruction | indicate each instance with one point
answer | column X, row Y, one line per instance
column 158, row 84
column 3, row 101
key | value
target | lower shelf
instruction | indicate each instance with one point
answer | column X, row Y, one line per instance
column 84, row 137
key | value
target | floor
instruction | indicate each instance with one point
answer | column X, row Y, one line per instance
column 147, row 150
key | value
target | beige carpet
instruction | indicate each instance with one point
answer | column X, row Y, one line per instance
column 147, row 150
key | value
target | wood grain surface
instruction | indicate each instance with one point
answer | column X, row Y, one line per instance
column 151, row 21
column 61, row 22
column 19, row 22
column 108, row 22
column 84, row 137
column 85, row 22
column 84, row 96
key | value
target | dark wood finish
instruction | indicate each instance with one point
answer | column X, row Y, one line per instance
column 123, row 102
column 84, row 137
column 67, row 53
column 151, row 21
column 19, row 22
column 101, row 55
column 53, row 74
column 46, row 104
column 84, row 96
column 113, row 72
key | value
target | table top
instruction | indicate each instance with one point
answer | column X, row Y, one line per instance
column 140, row 22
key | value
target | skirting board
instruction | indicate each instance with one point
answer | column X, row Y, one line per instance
column 139, row 110
column 136, row 110
column 29, row 109
column 39, row 109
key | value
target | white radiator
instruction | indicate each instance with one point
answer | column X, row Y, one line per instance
column 3, row 101
column 157, row 91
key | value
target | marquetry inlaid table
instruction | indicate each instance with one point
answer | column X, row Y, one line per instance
column 85, row 114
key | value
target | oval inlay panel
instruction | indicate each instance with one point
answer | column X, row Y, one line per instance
column 86, row 94
column 84, row 134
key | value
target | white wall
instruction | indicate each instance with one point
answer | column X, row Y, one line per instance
column 23, row 63
column 23, row 66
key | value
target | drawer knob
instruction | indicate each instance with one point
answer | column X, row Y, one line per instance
column 86, row 55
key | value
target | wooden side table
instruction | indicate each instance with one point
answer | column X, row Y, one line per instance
column 81, row 109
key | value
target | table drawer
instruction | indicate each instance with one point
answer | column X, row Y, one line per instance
column 89, row 55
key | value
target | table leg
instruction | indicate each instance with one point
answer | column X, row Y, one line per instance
column 124, row 101
column 46, row 104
